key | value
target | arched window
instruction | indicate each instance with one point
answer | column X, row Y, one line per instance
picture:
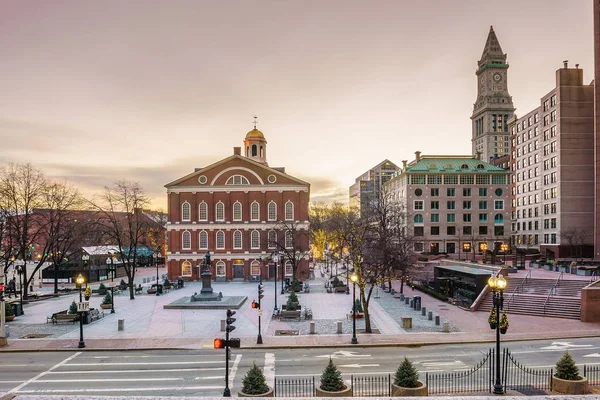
column 418, row 219
column 289, row 211
column 289, row 240
column 186, row 268
column 237, row 211
column 220, row 268
column 272, row 239
column 237, row 240
column 203, row 211
column 255, row 240
column 272, row 211
column 289, row 270
column 220, row 211
column 185, row 211
column 220, row 240
column 464, row 166
column 255, row 268
column 254, row 150
column 498, row 219
column 203, row 240
column 186, row 240
column 255, row 211
column 237, row 180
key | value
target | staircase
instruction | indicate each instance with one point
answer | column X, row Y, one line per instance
column 533, row 297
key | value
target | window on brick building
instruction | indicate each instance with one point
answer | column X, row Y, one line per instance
column 203, row 211
column 237, row 240
column 289, row 240
column 255, row 239
column 272, row 209
column 289, row 211
column 220, row 268
column 255, row 211
column 272, row 239
column 220, row 240
column 186, row 268
column 185, row 211
column 237, row 211
column 220, row 211
column 203, row 240
column 186, row 240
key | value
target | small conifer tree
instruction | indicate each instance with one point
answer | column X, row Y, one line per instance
column 358, row 306
column 566, row 368
column 107, row 299
column 102, row 286
column 254, row 381
column 331, row 378
column 73, row 308
column 9, row 310
column 293, row 297
column 290, row 305
column 406, row 375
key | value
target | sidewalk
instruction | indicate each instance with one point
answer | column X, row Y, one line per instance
column 149, row 326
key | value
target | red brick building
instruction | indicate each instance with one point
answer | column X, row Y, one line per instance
column 236, row 208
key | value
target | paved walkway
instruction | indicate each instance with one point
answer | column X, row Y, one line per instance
column 149, row 326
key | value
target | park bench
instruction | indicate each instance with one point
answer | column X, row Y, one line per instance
column 57, row 318
column 139, row 289
column 96, row 314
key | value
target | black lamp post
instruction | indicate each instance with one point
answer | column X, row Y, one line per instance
column 282, row 272
column 156, row 263
column 86, row 258
column 347, row 285
column 112, row 298
column 497, row 285
column 504, row 248
column 275, row 258
column 20, row 271
column 110, row 263
column 354, row 278
column 80, row 281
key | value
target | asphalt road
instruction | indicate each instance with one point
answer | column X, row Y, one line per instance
column 201, row 373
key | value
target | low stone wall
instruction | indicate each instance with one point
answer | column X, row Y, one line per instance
column 590, row 303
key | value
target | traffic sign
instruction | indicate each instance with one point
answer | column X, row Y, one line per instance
column 83, row 306
column 259, row 313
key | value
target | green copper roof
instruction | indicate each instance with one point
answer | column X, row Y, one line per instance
column 466, row 270
column 453, row 165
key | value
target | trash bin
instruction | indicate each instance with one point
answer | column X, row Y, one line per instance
column 159, row 289
column 179, row 283
column 121, row 325
column 417, row 303
column 16, row 308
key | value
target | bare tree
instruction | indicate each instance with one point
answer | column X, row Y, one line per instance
column 576, row 238
column 123, row 224
column 291, row 239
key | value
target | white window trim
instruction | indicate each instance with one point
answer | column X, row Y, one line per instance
column 498, row 208
column 255, row 232
column 217, row 240
column 257, row 204
column 271, row 244
column 291, row 269
column 189, row 218
column 418, row 209
column 269, row 211
column 255, row 264
column 288, row 233
column 219, row 203
column 200, row 240
column 241, row 216
column 183, row 234
column 219, row 264
column 202, row 203
column 289, row 203
column 182, row 268
column 241, row 246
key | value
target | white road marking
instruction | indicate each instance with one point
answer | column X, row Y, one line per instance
column 358, row 365
column 142, row 389
column 269, row 369
column 344, row 354
column 593, row 355
column 198, row 378
column 564, row 345
column 431, row 364
column 120, row 371
column 22, row 385
column 107, row 380
column 144, row 363
column 234, row 369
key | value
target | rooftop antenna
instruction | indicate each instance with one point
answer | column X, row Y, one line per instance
column 255, row 121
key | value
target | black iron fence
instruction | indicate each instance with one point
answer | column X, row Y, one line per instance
column 592, row 373
column 302, row 387
column 477, row 379
column 522, row 379
column 371, row 385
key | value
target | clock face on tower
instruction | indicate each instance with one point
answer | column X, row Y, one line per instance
column 497, row 77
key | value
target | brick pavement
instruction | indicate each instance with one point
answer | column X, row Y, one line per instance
column 149, row 326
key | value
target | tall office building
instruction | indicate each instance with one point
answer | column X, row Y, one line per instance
column 597, row 127
column 494, row 107
column 366, row 188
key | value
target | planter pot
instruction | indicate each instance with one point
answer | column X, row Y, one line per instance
column 9, row 318
column 86, row 298
column 409, row 392
column 106, row 306
column 503, row 330
column 346, row 392
column 492, row 325
column 268, row 394
column 579, row 386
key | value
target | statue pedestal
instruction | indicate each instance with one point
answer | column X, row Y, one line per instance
column 206, row 294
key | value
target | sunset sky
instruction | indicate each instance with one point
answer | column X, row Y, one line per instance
column 147, row 90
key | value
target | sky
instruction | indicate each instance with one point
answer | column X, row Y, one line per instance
column 144, row 90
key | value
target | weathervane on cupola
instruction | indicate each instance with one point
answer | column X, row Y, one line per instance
column 255, row 144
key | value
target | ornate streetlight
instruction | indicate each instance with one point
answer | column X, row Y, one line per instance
column 110, row 263
column 282, row 271
column 497, row 285
column 354, row 278
column 275, row 258
column 20, row 271
column 504, row 248
column 156, row 255
column 80, row 280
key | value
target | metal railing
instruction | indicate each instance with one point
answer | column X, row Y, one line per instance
column 523, row 379
column 592, row 373
column 477, row 379
column 552, row 291
column 302, row 387
column 371, row 385
column 595, row 274
column 518, row 289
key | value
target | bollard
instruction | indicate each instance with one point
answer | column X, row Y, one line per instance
column 430, row 315
column 406, row 300
column 407, row 323
column 437, row 319
column 121, row 325
column 446, row 326
column 223, row 324
column 401, row 296
column 312, row 328
column 418, row 303
column 339, row 327
column 412, row 303
column 423, row 311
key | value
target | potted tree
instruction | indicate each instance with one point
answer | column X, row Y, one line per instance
column 293, row 298
column 503, row 323
column 102, row 289
column 9, row 312
column 359, row 310
column 406, row 381
column 122, row 285
column 332, row 384
column 254, row 384
column 88, row 292
column 493, row 319
column 106, row 302
column 566, row 379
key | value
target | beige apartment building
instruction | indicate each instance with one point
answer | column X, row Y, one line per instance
column 454, row 204
column 552, row 164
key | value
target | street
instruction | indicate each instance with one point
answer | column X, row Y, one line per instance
column 201, row 372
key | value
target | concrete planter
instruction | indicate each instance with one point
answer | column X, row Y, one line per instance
column 409, row 392
column 346, row 392
column 579, row 386
column 9, row 318
column 268, row 394
column 106, row 306
column 340, row 289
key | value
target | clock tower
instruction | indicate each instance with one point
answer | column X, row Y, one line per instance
column 494, row 107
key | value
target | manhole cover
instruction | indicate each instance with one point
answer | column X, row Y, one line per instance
column 36, row 335
column 286, row 332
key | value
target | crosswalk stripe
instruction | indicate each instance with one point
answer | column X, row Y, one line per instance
column 142, row 363
column 109, row 390
column 107, row 380
column 121, row 371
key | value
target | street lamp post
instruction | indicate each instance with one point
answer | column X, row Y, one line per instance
column 112, row 298
column 19, row 268
column 80, row 280
column 497, row 285
column 156, row 262
column 86, row 258
column 110, row 263
column 282, row 272
column 504, row 248
column 275, row 258
column 354, row 278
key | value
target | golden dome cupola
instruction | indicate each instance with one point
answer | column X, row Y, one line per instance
column 255, row 145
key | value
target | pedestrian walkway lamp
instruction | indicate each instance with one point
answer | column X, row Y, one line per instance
column 497, row 285
column 86, row 258
column 155, row 255
column 504, row 248
column 110, row 263
column 354, row 278
column 20, row 271
column 80, row 281
column 112, row 298
column 275, row 258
